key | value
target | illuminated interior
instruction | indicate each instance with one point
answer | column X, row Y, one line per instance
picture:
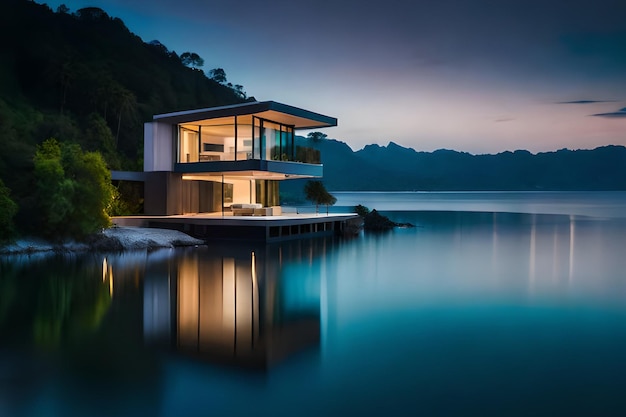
column 235, row 138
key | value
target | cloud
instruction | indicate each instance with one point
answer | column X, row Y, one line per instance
column 505, row 119
column 618, row 113
column 585, row 101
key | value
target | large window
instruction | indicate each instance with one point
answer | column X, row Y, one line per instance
column 276, row 139
column 235, row 139
column 244, row 137
column 188, row 140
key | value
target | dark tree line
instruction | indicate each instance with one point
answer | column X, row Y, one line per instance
column 84, row 78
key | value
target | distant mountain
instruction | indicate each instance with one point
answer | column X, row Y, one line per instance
column 396, row 168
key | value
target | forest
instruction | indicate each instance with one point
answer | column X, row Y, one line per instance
column 83, row 78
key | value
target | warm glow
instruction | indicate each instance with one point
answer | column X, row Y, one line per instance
column 254, row 283
column 111, row 282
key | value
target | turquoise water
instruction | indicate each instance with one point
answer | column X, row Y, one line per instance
column 583, row 203
column 469, row 313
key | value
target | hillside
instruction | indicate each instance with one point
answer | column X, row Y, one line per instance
column 396, row 168
column 84, row 77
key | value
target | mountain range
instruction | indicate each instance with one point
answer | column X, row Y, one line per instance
column 397, row 168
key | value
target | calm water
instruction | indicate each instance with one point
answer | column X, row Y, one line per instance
column 470, row 313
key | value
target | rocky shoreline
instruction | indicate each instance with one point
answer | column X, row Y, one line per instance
column 110, row 240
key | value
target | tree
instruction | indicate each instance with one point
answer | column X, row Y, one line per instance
column 218, row 75
column 361, row 210
column 156, row 44
column 63, row 9
column 191, row 59
column 98, row 136
column 8, row 210
column 238, row 88
column 91, row 14
column 73, row 190
column 317, row 136
column 125, row 100
column 317, row 194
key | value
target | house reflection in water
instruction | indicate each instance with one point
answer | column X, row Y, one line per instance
column 232, row 306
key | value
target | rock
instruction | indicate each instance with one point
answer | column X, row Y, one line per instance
column 110, row 240
column 375, row 221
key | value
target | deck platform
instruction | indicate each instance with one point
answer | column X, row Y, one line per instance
column 210, row 226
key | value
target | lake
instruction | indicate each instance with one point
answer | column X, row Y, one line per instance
column 495, row 304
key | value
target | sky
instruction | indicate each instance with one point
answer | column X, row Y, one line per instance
column 479, row 76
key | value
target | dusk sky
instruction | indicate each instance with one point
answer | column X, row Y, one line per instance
column 476, row 76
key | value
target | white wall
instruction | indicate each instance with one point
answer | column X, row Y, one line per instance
column 241, row 190
column 158, row 147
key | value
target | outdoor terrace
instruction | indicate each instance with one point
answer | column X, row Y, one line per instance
column 226, row 225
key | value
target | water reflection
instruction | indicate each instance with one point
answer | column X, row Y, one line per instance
column 483, row 308
column 497, row 255
column 233, row 305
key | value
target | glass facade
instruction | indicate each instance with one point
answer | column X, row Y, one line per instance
column 235, row 138
column 188, row 144
column 244, row 137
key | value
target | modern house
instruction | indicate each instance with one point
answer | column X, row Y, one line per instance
column 224, row 158
column 215, row 172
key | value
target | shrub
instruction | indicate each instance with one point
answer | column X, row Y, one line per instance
column 73, row 190
column 8, row 209
column 361, row 210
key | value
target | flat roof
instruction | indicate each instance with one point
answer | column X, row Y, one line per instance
column 270, row 110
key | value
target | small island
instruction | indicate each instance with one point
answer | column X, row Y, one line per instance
column 374, row 221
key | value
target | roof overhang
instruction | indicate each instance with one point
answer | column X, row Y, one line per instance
column 269, row 110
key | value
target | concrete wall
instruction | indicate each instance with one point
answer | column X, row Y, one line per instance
column 159, row 147
column 163, row 193
column 166, row 193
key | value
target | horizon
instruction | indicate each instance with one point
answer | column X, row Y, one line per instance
column 518, row 74
column 467, row 152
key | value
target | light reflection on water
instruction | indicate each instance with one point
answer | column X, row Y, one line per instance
column 466, row 314
column 605, row 204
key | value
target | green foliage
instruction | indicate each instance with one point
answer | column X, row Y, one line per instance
column 308, row 155
column 361, row 210
column 191, row 59
column 73, row 190
column 317, row 194
column 127, row 199
column 98, row 136
column 8, row 210
column 83, row 78
column 63, row 302
column 377, row 222
column 238, row 88
column 316, row 136
column 63, row 9
column 218, row 75
column 75, row 65
column 18, row 124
